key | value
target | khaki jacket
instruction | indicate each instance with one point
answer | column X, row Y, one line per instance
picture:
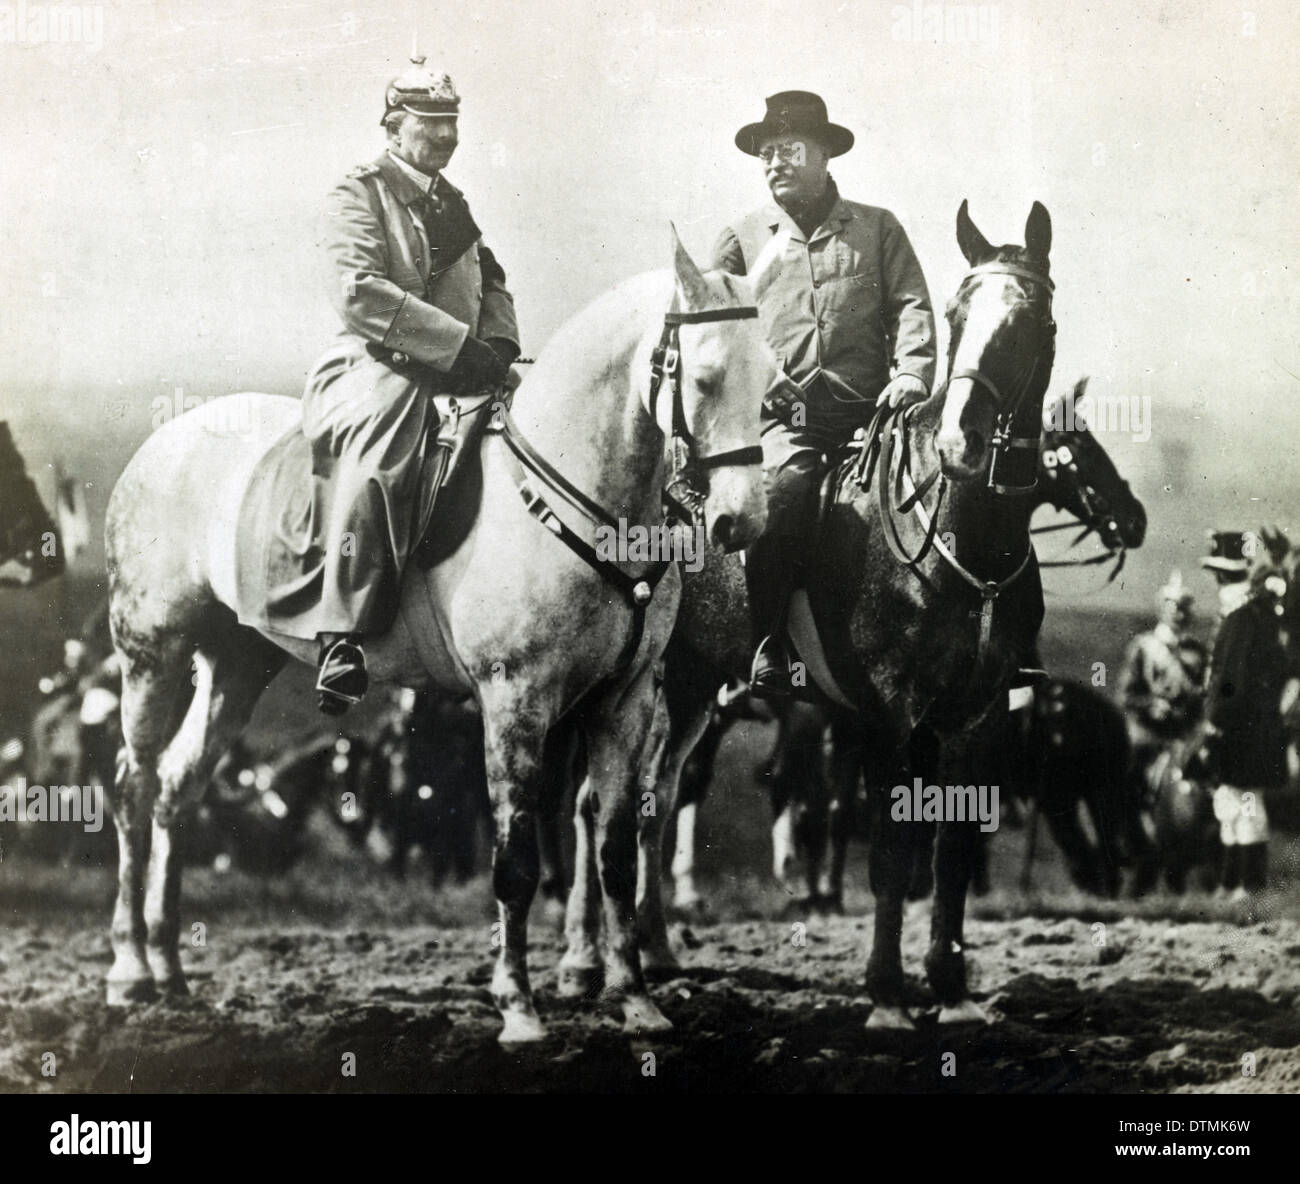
column 848, row 304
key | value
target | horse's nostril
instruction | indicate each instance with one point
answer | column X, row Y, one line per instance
column 724, row 527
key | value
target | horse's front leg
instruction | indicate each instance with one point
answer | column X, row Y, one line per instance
column 890, row 868
column 619, row 735
column 956, row 850
column 514, row 751
column 678, row 728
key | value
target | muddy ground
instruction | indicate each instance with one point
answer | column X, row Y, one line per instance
column 1166, row 995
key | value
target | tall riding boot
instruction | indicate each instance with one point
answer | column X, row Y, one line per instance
column 1230, row 868
column 771, row 579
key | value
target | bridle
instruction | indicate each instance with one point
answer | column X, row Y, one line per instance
column 527, row 464
column 886, row 452
column 1096, row 509
column 1013, row 470
column 682, row 493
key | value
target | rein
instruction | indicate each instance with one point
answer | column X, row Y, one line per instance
column 527, row 464
column 887, row 451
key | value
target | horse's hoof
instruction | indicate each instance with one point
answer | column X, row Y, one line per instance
column 889, row 1019
column 959, row 1014
column 521, row 1028
column 830, row 904
column 660, row 965
column 128, row 992
column 579, row 982
column 641, row 1017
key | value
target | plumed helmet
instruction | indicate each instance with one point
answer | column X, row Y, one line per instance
column 1176, row 590
column 422, row 91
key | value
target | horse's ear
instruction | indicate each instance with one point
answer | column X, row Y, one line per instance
column 974, row 246
column 1038, row 231
column 768, row 264
column 691, row 285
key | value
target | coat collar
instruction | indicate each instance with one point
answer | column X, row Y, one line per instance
column 840, row 215
column 401, row 179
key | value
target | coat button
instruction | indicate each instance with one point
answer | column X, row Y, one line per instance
column 817, row 283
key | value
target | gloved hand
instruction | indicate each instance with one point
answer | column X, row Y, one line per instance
column 783, row 396
column 477, row 368
column 504, row 349
column 905, row 389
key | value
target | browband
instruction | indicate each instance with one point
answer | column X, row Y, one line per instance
column 1024, row 273
column 745, row 313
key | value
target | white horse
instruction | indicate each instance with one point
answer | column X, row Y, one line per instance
column 544, row 639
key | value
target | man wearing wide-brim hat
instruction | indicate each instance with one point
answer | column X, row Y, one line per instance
column 425, row 311
column 845, row 307
column 1246, row 742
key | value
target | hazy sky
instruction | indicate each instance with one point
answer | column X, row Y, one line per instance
column 162, row 191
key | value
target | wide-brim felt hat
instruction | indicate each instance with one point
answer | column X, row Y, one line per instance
column 795, row 112
column 1227, row 552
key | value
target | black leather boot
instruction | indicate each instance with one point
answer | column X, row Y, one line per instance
column 1230, row 868
column 1254, row 866
column 341, row 680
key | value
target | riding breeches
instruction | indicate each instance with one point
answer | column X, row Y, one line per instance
column 795, row 461
column 368, row 426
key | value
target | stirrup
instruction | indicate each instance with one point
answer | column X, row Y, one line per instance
column 769, row 676
column 1028, row 676
column 342, row 680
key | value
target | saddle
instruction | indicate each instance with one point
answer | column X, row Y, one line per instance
column 802, row 627
column 278, row 559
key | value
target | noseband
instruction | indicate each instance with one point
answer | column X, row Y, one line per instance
column 1013, row 470
column 687, row 465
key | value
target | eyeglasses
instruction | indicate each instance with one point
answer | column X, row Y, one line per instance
column 786, row 153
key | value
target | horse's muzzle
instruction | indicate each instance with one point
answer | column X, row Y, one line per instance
column 735, row 510
column 965, row 431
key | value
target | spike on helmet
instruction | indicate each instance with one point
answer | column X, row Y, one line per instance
column 422, row 91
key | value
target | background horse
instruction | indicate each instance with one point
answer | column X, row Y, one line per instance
column 533, row 630
column 30, row 549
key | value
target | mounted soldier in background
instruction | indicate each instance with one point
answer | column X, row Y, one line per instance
column 848, row 315
column 425, row 311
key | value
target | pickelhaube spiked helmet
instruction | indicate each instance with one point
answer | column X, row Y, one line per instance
column 422, row 91
column 1176, row 590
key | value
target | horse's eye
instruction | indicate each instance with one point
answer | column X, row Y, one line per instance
column 707, row 387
